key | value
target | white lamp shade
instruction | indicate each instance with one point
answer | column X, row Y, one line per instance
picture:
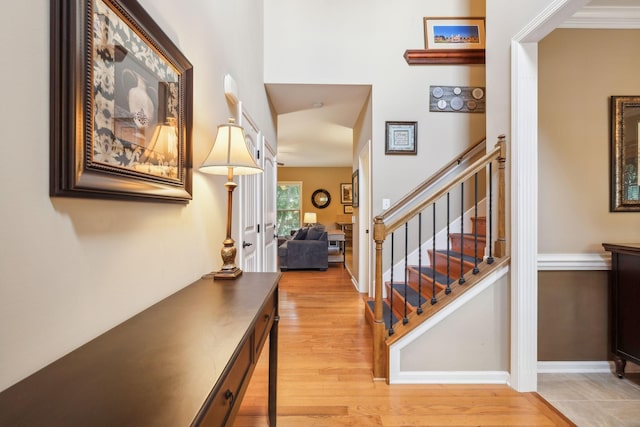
column 230, row 151
column 310, row 218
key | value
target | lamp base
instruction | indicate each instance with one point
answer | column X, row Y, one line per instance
column 224, row 274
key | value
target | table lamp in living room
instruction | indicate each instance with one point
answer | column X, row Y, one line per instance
column 229, row 155
column 310, row 219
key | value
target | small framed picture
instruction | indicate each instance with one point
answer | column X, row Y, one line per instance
column 401, row 138
column 348, row 209
column 355, row 186
column 454, row 33
column 346, row 193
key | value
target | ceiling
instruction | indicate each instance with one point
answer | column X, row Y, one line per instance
column 315, row 121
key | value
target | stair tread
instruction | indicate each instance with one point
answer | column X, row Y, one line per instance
column 428, row 271
column 480, row 236
column 452, row 254
column 385, row 313
column 412, row 296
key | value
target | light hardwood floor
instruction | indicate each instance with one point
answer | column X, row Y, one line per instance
column 324, row 375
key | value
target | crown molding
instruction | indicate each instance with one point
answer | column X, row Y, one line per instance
column 605, row 17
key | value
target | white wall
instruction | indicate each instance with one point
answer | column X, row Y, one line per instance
column 574, row 137
column 71, row 269
column 504, row 19
column 484, row 321
column 363, row 42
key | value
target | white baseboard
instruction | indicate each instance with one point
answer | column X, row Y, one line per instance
column 451, row 377
column 575, row 367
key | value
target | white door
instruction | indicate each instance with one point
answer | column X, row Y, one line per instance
column 250, row 206
column 270, row 181
column 365, row 223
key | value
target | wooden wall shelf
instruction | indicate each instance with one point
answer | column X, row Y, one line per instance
column 444, row 56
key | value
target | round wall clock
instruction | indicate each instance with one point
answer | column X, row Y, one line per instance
column 320, row 198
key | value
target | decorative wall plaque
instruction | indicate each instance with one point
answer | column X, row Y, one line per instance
column 457, row 99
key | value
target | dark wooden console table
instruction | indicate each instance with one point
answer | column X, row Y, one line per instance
column 625, row 299
column 186, row 360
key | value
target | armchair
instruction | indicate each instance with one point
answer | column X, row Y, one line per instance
column 308, row 249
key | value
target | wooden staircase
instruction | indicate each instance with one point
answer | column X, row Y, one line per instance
column 452, row 270
column 460, row 259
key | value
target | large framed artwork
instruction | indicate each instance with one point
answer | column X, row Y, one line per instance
column 121, row 105
column 625, row 154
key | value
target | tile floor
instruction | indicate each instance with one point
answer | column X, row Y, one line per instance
column 594, row 399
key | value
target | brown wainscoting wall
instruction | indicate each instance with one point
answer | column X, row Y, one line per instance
column 573, row 316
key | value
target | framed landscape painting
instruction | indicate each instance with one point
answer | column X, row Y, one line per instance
column 454, row 33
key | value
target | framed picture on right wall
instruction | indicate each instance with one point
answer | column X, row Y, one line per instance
column 355, row 190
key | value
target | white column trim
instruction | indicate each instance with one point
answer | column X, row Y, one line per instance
column 524, row 217
column 524, row 190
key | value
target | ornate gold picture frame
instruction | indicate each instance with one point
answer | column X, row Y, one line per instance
column 625, row 154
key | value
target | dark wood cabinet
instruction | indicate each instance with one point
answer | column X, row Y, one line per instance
column 625, row 303
column 186, row 360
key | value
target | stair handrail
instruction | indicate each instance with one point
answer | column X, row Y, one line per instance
column 440, row 174
column 467, row 173
column 384, row 225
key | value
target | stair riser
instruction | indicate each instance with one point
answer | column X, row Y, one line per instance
column 454, row 265
column 427, row 284
column 468, row 245
column 479, row 224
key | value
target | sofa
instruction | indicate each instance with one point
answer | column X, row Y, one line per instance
column 308, row 248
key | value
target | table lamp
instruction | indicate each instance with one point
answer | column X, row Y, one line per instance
column 229, row 155
column 310, row 218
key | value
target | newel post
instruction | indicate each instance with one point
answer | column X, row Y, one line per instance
column 379, row 350
column 501, row 243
